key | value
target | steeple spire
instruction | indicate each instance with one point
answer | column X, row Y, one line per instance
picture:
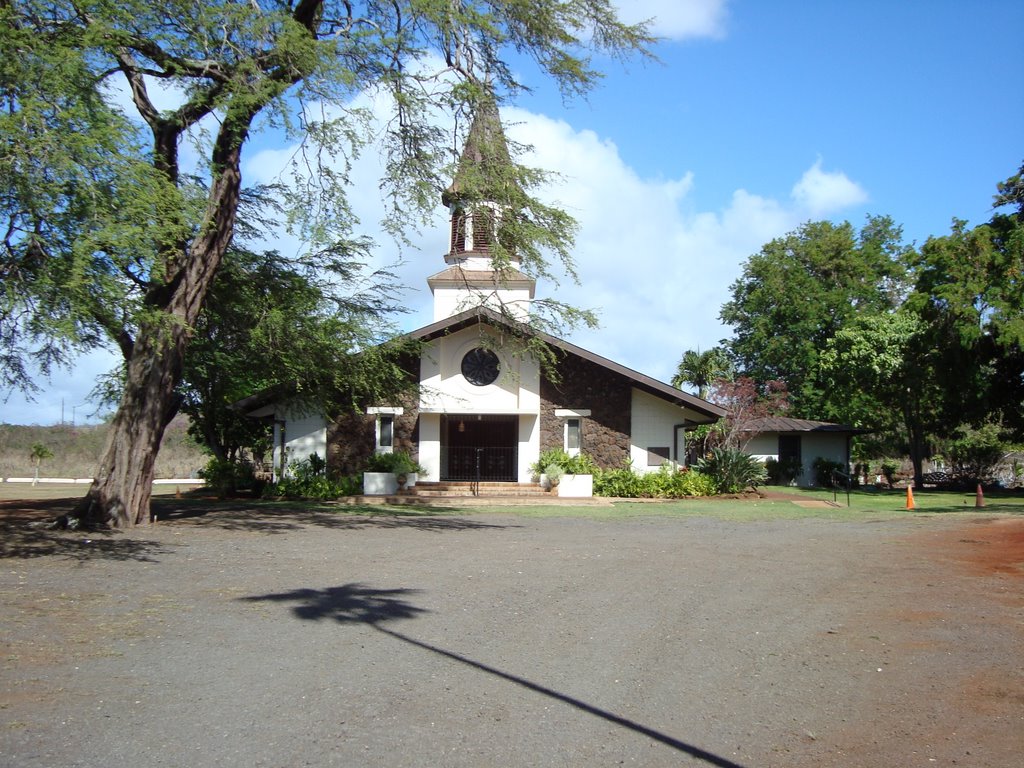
column 484, row 189
column 484, row 166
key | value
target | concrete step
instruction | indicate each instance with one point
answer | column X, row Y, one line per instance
column 453, row 489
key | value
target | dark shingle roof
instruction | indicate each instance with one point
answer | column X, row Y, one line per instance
column 785, row 424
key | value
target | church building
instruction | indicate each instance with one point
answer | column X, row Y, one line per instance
column 485, row 407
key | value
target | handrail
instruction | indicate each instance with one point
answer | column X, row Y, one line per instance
column 849, row 483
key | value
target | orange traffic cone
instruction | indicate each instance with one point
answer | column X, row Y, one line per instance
column 910, row 498
column 979, row 497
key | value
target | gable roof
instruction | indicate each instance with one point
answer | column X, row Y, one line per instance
column 785, row 424
column 642, row 382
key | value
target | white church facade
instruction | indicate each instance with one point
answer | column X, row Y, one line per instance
column 485, row 408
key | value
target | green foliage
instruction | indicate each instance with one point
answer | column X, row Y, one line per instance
column 889, row 469
column 271, row 324
column 101, row 214
column 783, row 472
column 307, row 479
column 702, row 368
column 669, row 482
column 40, row 452
column 580, row 464
column 732, row 470
column 621, row 482
column 799, row 290
column 976, row 453
column 228, row 477
column 398, row 462
column 554, row 473
column 823, row 472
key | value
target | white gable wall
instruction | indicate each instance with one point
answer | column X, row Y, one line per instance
column 304, row 435
column 653, row 425
column 445, row 390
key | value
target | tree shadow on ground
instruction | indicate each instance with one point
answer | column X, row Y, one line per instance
column 348, row 604
column 23, row 535
column 278, row 517
column 359, row 604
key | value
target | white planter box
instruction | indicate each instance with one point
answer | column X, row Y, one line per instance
column 379, row 484
column 576, row 486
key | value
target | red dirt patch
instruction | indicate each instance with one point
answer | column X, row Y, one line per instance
column 988, row 546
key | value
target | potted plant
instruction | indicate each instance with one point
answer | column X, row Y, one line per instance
column 386, row 473
column 563, row 474
column 553, row 473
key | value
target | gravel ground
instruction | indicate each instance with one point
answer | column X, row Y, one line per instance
column 494, row 640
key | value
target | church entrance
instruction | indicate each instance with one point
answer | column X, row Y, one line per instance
column 480, row 447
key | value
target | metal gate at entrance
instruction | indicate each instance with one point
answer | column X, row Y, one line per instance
column 480, row 447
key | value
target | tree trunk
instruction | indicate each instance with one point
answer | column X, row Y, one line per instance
column 120, row 493
column 915, row 439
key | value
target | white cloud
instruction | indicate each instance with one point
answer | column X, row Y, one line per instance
column 821, row 193
column 658, row 270
column 678, row 19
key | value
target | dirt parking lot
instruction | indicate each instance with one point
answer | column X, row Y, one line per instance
column 304, row 638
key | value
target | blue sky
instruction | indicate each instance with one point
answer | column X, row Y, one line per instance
column 760, row 116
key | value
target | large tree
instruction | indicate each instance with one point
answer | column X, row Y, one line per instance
column 107, row 237
column 884, row 370
column 269, row 324
column 969, row 294
column 799, row 290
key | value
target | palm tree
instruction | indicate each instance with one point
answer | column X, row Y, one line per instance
column 699, row 369
column 38, row 453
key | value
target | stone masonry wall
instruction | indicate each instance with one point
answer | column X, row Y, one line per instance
column 608, row 396
column 351, row 438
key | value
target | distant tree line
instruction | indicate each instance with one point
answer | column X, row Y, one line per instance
column 924, row 346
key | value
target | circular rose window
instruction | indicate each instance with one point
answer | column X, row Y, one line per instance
column 480, row 367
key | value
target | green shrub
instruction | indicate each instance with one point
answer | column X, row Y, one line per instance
column 823, row 471
column 226, row 477
column 398, row 462
column 976, row 453
column 732, row 470
column 669, row 482
column 621, row 482
column 889, row 469
column 308, row 480
column 784, row 471
column 581, row 464
column 696, row 483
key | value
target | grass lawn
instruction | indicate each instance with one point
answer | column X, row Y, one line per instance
column 863, row 504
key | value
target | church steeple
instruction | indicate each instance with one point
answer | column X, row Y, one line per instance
column 482, row 191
